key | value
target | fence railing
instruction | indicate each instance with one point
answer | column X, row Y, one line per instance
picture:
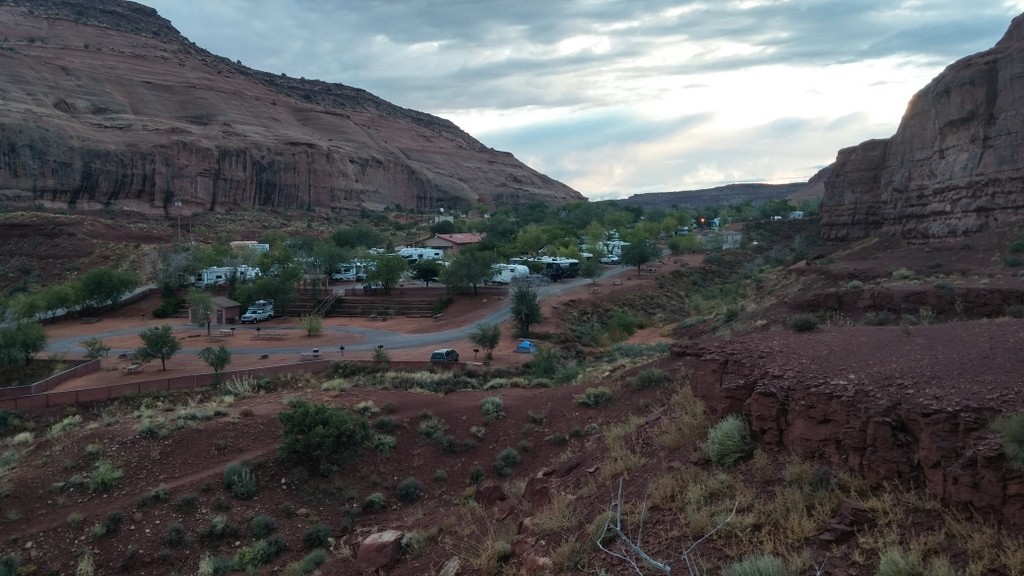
column 47, row 384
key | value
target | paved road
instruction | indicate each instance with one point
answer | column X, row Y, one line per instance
column 371, row 337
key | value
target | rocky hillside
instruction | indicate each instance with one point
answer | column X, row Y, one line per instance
column 719, row 196
column 955, row 165
column 104, row 104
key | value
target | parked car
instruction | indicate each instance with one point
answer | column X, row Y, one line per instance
column 611, row 260
column 260, row 310
column 444, row 355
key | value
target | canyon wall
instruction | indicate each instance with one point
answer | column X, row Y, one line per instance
column 103, row 103
column 955, row 165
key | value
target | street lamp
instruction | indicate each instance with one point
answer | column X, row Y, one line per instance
column 177, row 204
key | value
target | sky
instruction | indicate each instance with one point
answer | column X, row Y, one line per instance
column 617, row 97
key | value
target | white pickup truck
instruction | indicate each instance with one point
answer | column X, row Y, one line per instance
column 259, row 310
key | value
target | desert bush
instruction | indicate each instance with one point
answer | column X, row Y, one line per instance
column 381, row 356
column 492, row 408
column 104, row 476
column 650, row 378
column 242, row 386
column 478, row 431
column 410, row 490
column 802, row 322
column 1013, row 262
column 902, row 274
column 507, row 460
column 624, row 350
column 175, row 535
column 309, row 563
column 384, row 443
column 854, row 285
column 374, row 502
column 67, row 424
column 385, row 424
column 757, row 565
column 259, row 553
column 476, row 474
column 322, row 437
column 85, row 566
column 1015, row 311
column 925, row 315
column 594, row 397
column 317, row 536
column 729, row 441
column 366, row 408
column 240, row 480
column 218, row 529
column 1011, row 426
column 75, row 519
column 262, row 526
column 186, row 505
column 432, row 428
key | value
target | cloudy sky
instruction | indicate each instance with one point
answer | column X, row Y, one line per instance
column 615, row 97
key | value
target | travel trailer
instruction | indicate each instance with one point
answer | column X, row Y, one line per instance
column 416, row 254
column 554, row 267
column 221, row 275
column 505, row 273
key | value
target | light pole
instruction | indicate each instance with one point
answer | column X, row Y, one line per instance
column 177, row 204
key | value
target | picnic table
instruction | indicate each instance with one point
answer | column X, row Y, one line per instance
column 226, row 332
column 132, row 369
column 309, row 356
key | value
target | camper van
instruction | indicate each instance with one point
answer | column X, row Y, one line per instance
column 258, row 311
column 221, row 275
column 505, row 273
column 350, row 272
column 554, row 267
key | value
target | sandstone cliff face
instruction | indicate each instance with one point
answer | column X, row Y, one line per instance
column 954, row 167
column 103, row 103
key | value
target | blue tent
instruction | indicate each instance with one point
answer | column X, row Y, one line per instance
column 526, row 347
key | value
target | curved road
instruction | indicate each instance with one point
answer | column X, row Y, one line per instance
column 371, row 337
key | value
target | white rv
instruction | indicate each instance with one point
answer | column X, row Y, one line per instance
column 414, row 255
column 221, row 275
column 505, row 273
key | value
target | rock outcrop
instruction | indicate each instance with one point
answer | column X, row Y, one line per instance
column 955, row 165
column 104, row 104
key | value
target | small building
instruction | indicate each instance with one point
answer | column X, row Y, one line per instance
column 225, row 311
column 452, row 243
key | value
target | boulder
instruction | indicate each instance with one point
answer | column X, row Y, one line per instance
column 380, row 550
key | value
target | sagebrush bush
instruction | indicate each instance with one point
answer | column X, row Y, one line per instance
column 410, row 490
column 492, row 408
column 262, row 526
column 506, row 461
column 729, row 441
column 594, row 397
column 1015, row 311
column 432, row 428
column 322, row 437
column 104, row 476
column 650, row 378
column 896, row 562
column 367, row 408
column 374, row 502
column 757, row 565
column 317, row 536
column 1011, row 426
column 175, row 535
column 880, row 318
column 385, row 424
column 384, row 444
column 240, row 480
column 802, row 322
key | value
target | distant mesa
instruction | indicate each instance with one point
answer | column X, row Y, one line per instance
column 107, row 105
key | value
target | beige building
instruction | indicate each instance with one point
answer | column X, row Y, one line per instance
column 451, row 243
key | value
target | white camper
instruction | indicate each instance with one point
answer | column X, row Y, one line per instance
column 414, row 255
column 505, row 273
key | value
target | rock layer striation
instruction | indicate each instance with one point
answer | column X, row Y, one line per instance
column 955, row 165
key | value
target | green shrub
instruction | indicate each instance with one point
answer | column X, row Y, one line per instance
column 240, row 480
column 218, row 529
column 1015, row 311
column 322, row 437
column 802, row 322
column 175, row 536
column 312, row 561
column 1013, row 262
column 9, row 565
column 880, row 318
column 729, row 441
column 854, row 285
column 492, row 408
column 410, row 490
column 384, row 443
column 650, row 378
column 186, row 505
column 432, row 428
column 757, row 565
column 366, row 408
column 317, row 536
column 374, row 502
column 385, row 424
column 104, row 476
column 1017, row 246
column 262, row 526
column 594, row 397
column 259, row 553
column 902, row 274
column 506, row 461
column 1011, row 426
column 476, row 474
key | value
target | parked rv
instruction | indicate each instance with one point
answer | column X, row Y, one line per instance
column 221, row 275
column 416, row 254
column 505, row 273
column 554, row 267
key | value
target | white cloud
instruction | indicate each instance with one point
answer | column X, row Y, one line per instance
column 617, row 97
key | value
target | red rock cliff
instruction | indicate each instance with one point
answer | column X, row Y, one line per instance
column 103, row 102
column 954, row 167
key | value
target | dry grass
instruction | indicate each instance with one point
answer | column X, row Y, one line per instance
column 560, row 516
column 684, row 421
column 620, row 460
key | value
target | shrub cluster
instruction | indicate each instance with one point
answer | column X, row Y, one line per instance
column 492, row 408
column 410, row 490
column 594, row 397
column 322, row 437
column 650, row 378
column 240, row 480
column 802, row 322
column 506, row 461
column 729, row 441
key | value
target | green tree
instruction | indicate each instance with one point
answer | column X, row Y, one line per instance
column 639, row 253
column 328, row 256
column 26, row 306
column 57, row 297
column 388, row 271
column 682, row 244
column 470, row 269
column 443, row 227
column 322, row 437
column 217, row 358
column 486, row 336
column 200, row 308
column 426, row 271
column 102, row 286
column 176, row 267
column 95, row 348
column 591, row 269
column 19, row 342
column 525, row 310
column 313, row 324
column 357, row 236
column 158, row 342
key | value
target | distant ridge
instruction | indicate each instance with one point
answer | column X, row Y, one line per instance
column 728, row 194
